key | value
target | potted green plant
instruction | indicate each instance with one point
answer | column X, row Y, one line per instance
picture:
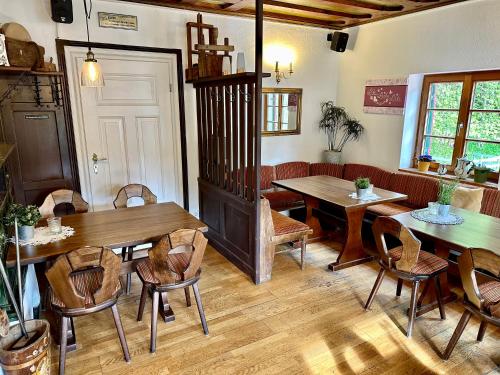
column 362, row 185
column 424, row 162
column 339, row 128
column 27, row 217
column 445, row 193
column 481, row 173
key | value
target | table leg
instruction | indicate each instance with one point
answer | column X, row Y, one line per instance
column 164, row 308
column 353, row 251
column 311, row 220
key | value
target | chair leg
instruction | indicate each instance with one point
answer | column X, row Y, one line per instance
column 376, row 286
column 413, row 308
column 154, row 321
column 399, row 287
column 458, row 332
column 142, row 302
column 121, row 332
column 482, row 330
column 439, row 295
column 303, row 253
column 188, row 297
column 62, row 346
column 130, row 257
column 200, row 308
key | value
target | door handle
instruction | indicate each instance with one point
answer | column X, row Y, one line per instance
column 95, row 159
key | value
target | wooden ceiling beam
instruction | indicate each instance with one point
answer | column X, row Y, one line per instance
column 310, row 9
column 366, row 5
column 237, row 5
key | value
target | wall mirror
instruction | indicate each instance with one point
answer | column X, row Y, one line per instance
column 281, row 111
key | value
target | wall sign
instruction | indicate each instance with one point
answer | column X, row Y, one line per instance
column 117, row 21
column 385, row 96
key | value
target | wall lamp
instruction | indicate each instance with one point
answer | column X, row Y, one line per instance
column 282, row 75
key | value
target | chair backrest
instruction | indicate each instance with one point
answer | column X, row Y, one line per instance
column 292, row 169
column 410, row 245
column 134, row 191
column 63, row 196
column 102, row 262
column 190, row 244
column 472, row 260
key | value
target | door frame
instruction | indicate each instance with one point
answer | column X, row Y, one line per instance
column 60, row 47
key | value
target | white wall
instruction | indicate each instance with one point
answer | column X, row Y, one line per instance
column 316, row 66
column 460, row 37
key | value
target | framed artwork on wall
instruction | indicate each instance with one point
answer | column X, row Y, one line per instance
column 385, row 96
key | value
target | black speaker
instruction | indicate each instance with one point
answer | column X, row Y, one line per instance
column 62, row 11
column 339, row 41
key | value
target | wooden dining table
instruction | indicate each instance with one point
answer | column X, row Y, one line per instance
column 476, row 231
column 118, row 228
column 336, row 191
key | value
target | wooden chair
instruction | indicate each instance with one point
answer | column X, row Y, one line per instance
column 173, row 263
column 276, row 229
column 83, row 282
column 63, row 196
column 482, row 300
column 121, row 201
column 407, row 262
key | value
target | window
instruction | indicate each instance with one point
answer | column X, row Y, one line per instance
column 281, row 114
column 460, row 116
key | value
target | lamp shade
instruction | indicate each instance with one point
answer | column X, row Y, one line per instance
column 91, row 72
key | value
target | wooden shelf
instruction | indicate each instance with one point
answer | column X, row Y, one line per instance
column 5, row 150
column 229, row 77
column 16, row 70
column 466, row 181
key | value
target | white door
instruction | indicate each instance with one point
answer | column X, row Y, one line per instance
column 127, row 131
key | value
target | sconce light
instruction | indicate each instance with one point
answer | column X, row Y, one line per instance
column 282, row 75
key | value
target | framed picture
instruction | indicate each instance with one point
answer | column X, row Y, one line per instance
column 117, row 21
column 4, row 61
column 385, row 96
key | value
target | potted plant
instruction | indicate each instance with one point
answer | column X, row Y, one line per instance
column 362, row 185
column 27, row 217
column 481, row 173
column 445, row 193
column 339, row 128
column 424, row 162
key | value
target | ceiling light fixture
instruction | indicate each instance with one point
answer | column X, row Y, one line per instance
column 91, row 75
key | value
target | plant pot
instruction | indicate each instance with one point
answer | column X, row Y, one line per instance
column 423, row 166
column 26, row 232
column 31, row 359
column 481, row 175
column 443, row 210
column 334, row 157
column 362, row 193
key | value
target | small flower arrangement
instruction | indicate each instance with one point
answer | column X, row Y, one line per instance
column 445, row 191
column 425, row 158
column 26, row 215
column 362, row 183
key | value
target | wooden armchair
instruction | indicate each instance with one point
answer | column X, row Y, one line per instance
column 121, row 201
column 276, row 229
column 482, row 300
column 83, row 282
column 173, row 263
column 407, row 262
column 63, row 196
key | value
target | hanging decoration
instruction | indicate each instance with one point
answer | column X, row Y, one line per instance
column 385, row 96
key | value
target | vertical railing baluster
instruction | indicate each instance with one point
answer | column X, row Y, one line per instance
column 250, row 140
column 242, row 127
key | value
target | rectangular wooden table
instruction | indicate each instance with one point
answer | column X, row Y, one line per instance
column 316, row 189
column 477, row 230
column 114, row 229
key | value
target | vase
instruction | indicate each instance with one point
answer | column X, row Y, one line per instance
column 26, row 232
column 423, row 166
column 31, row 359
column 362, row 193
column 334, row 157
column 481, row 175
column 443, row 210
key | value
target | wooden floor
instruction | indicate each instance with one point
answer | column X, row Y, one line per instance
column 302, row 322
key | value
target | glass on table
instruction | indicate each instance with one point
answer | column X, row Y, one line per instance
column 433, row 208
column 54, row 224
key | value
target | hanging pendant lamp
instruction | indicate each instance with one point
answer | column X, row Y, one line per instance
column 91, row 75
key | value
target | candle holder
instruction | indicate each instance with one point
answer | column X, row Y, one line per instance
column 282, row 75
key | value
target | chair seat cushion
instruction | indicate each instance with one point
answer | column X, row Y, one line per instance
column 283, row 199
column 177, row 262
column 388, row 209
column 86, row 283
column 286, row 225
column 427, row 263
column 491, row 294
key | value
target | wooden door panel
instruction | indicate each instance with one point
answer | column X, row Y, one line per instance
column 150, row 155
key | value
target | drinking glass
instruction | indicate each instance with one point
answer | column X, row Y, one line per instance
column 226, row 66
column 240, row 63
column 433, row 208
column 54, row 224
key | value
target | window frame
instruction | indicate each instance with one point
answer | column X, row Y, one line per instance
column 468, row 79
column 281, row 91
